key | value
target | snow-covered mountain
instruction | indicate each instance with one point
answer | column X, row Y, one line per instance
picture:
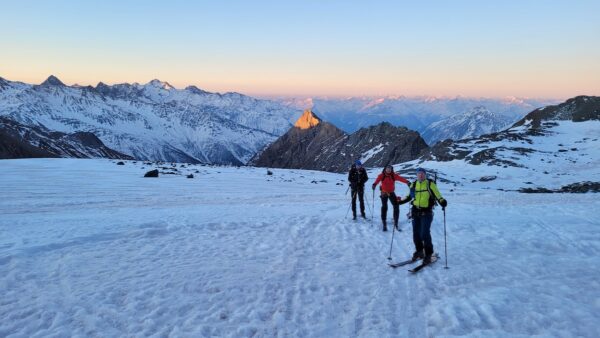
column 552, row 149
column 416, row 113
column 23, row 141
column 475, row 122
column 153, row 121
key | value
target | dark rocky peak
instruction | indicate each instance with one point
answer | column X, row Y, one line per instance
column 384, row 131
column 315, row 144
column 577, row 109
column 385, row 128
column 307, row 120
column 52, row 81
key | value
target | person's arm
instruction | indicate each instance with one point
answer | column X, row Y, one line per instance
column 377, row 181
column 438, row 196
column 408, row 197
column 401, row 179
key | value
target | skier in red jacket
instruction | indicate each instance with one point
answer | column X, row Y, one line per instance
column 388, row 180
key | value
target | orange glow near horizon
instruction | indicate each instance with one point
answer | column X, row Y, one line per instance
column 544, row 86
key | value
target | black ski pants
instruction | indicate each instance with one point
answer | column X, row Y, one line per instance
column 360, row 192
column 421, row 222
column 384, row 206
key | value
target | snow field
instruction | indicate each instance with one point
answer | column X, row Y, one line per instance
column 89, row 248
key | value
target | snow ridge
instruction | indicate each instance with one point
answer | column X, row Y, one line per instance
column 153, row 121
column 475, row 122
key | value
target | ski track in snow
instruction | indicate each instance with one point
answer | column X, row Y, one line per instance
column 91, row 249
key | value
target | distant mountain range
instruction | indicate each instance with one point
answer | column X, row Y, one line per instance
column 153, row 121
column 475, row 122
column 419, row 113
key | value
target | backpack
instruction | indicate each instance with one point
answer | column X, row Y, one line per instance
column 432, row 199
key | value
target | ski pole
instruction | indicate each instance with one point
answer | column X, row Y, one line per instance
column 392, row 243
column 368, row 205
column 373, row 209
column 445, row 245
column 353, row 194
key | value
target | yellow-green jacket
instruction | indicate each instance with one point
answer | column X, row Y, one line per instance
column 420, row 194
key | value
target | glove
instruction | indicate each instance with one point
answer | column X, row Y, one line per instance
column 373, row 186
column 402, row 201
column 408, row 184
column 443, row 203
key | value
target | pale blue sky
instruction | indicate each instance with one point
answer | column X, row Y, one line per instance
column 470, row 48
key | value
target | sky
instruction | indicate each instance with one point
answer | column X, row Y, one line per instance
column 544, row 49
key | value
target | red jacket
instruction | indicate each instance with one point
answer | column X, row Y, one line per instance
column 388, row 181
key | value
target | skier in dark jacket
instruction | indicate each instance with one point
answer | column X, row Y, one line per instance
column 388, row 180
column 357, row 178
column 423, row 194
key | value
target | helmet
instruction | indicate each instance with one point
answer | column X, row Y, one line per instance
column 358, row 162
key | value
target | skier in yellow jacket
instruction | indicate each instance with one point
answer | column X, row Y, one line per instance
column 423, row 194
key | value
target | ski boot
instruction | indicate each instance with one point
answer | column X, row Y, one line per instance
column 417, row 255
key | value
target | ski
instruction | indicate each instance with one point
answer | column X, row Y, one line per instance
column 399, row 264
column 418, row 268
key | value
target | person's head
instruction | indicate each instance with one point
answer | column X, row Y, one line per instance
column 358, row 163
column 421, row 174
column 388, row 169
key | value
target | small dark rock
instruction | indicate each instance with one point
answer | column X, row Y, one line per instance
column 581, row 187
column 190, row 176
column 269, row 172
column 120, row 163
column 487, row 178
column 535, row 190
column 152, row 173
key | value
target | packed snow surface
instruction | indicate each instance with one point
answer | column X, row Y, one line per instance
column 89, row 248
